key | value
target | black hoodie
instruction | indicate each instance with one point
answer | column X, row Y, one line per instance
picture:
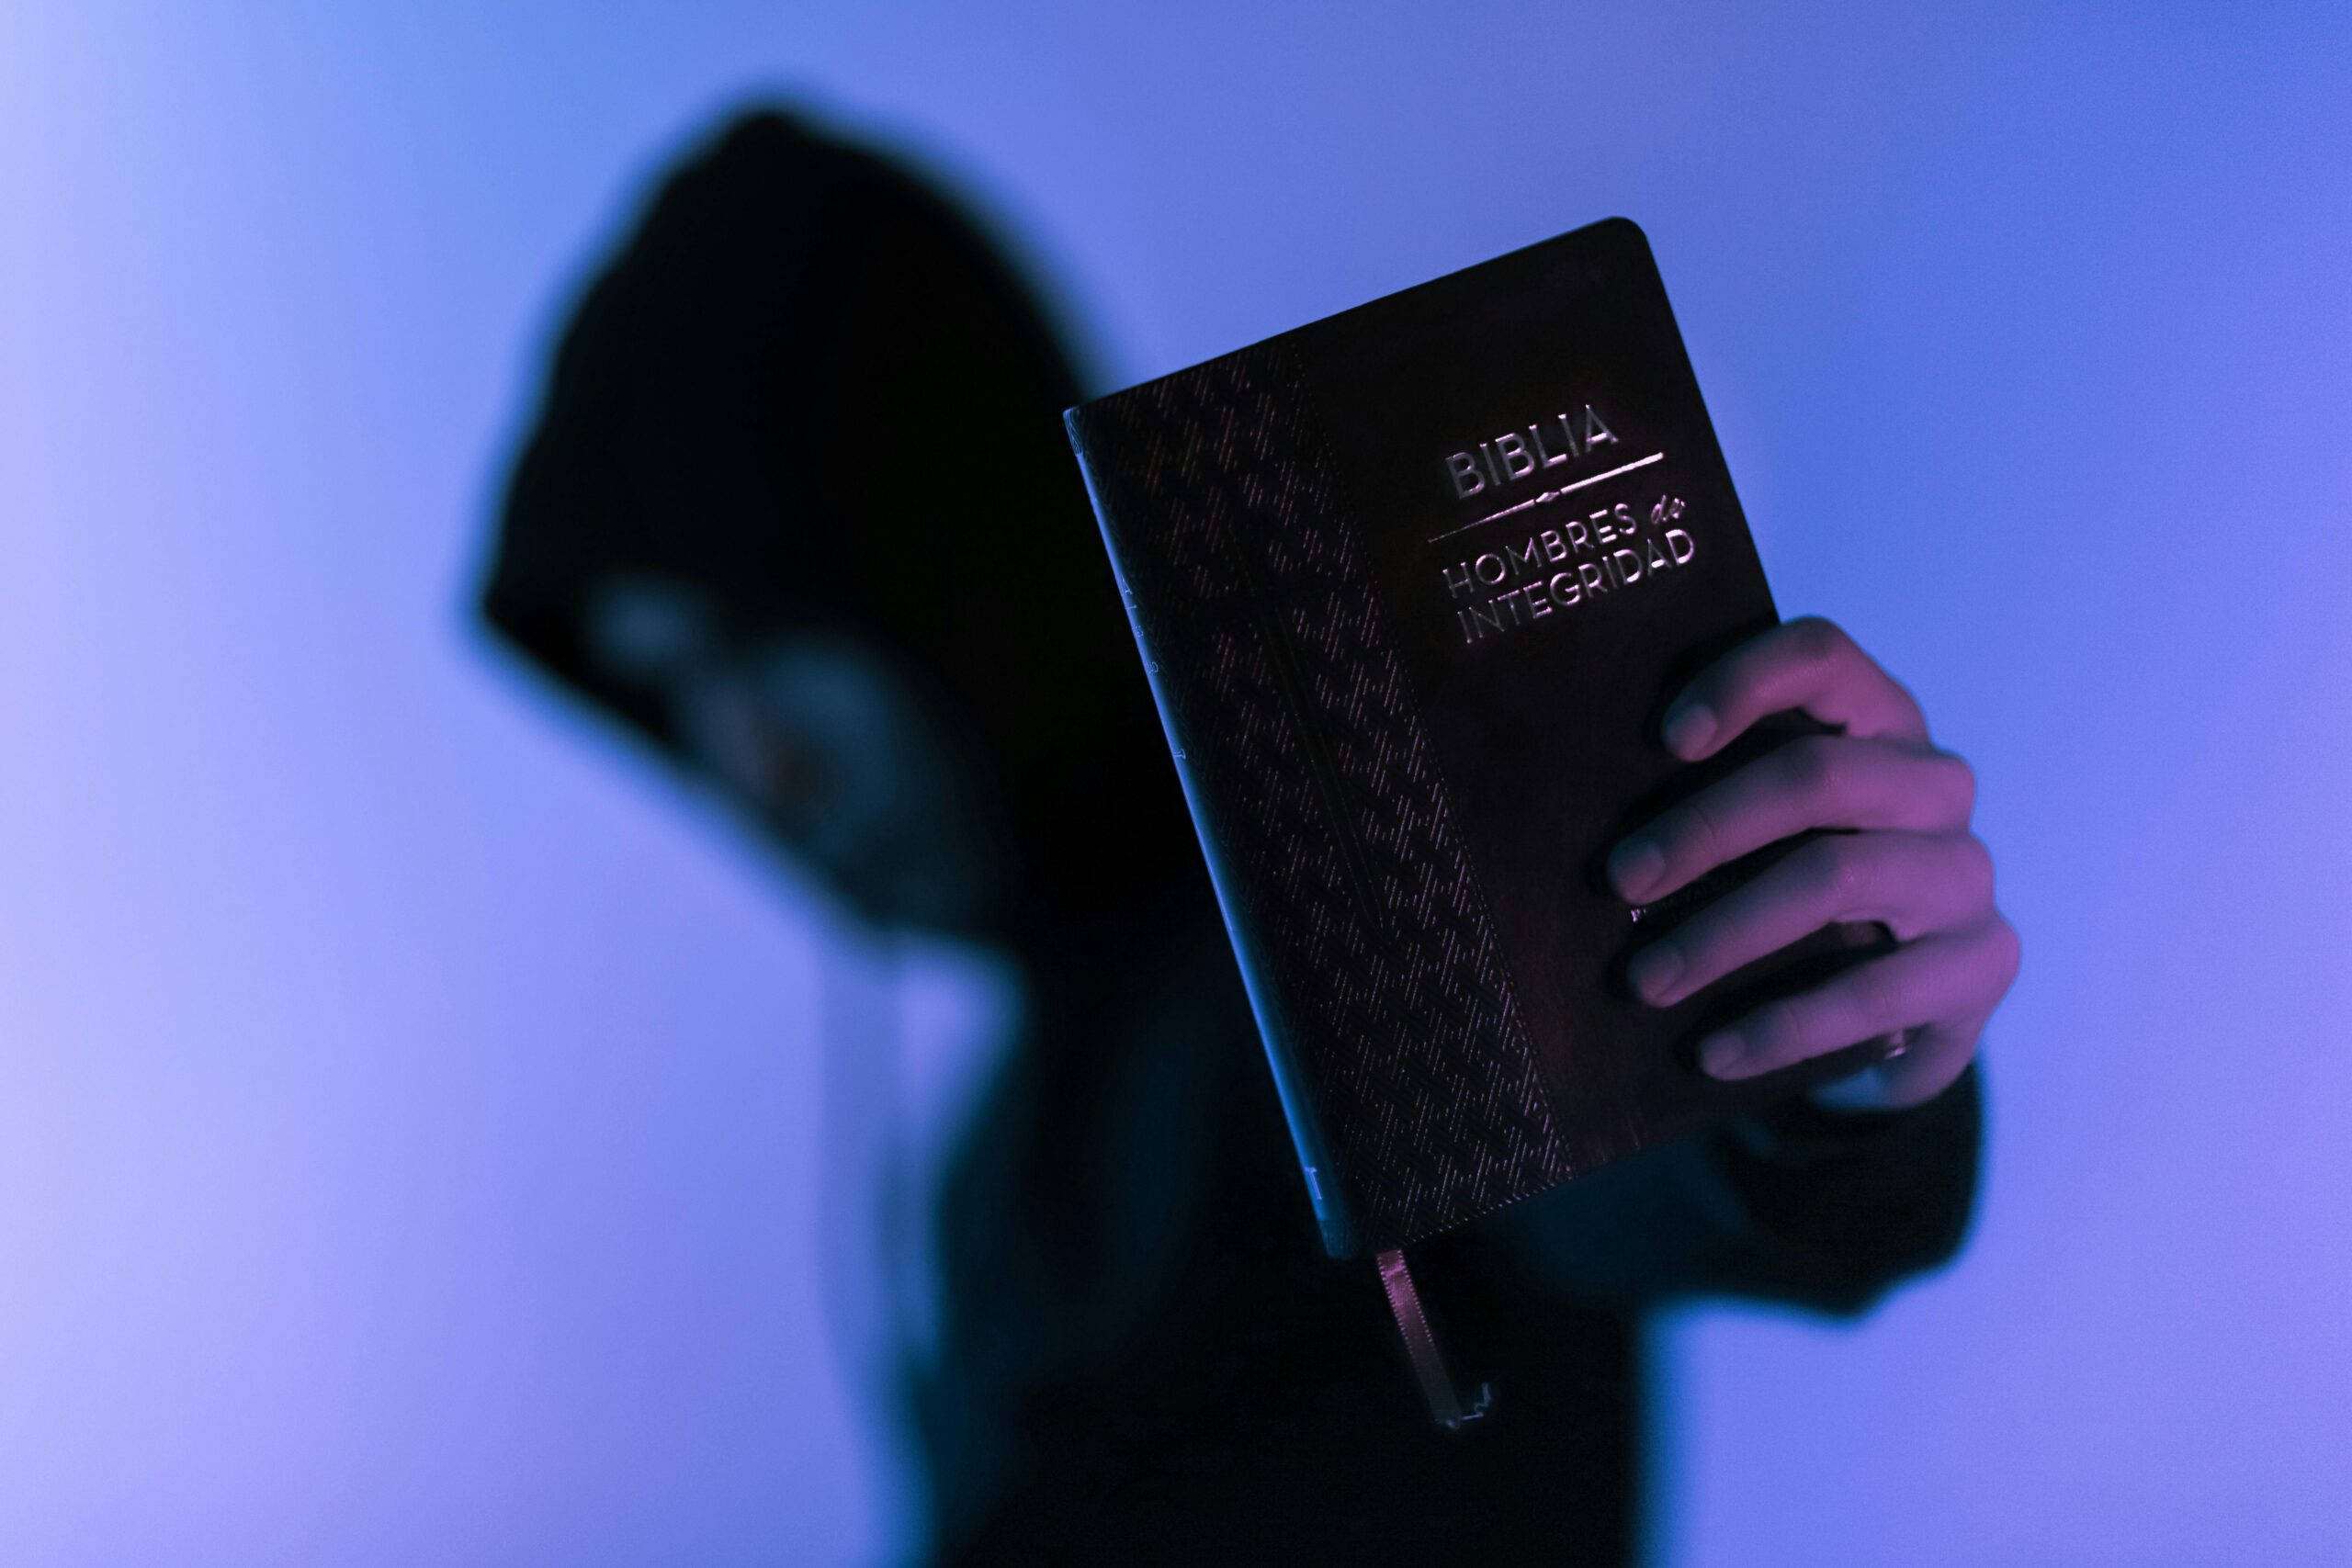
column 810, row 387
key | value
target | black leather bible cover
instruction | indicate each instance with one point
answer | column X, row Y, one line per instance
column 1413, row 584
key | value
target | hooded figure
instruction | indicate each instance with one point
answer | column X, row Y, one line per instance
column 798, row 511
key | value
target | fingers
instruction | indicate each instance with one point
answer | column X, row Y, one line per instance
column 1823, row 781
column 1943, row 984
column 1806, row 664
column 1905, row 858
column 1913, row 883
column 1931, row 1058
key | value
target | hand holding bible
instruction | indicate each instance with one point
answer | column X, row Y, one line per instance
column 1411, row 584
column 1898, row 851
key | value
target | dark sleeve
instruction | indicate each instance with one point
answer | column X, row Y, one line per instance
column 1814, row 1207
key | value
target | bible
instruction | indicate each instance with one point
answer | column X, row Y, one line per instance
column 1413, row 585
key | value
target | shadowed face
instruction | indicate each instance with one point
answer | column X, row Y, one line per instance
column 800, row 511
column 818, row 741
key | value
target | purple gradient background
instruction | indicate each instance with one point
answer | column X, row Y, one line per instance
column 408, row 1145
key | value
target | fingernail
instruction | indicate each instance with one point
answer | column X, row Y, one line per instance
column 1689, row 729
column 1720, row 1054
column 1635, row 866
column 1653, row 972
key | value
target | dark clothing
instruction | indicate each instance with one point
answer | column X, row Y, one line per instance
column 809, row 387
column 812, row 391
column 1156, row 1362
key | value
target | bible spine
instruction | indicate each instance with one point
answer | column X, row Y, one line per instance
column 1404, row 1065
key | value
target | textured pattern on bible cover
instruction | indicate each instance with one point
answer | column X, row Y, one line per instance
column 1337, row 852
column 1412, row 584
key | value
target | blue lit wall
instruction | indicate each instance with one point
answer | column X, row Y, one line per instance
column 408, row 1105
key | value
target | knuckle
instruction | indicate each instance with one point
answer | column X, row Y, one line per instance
column 1815, row 765
column 1839, row 873
column 2008, row 953
column 1817, row 640
column 1696, row 838
column 1904, row 696
column 1961, row 782
column 1882, row 993
column 1843, row 664
column 1977, row 870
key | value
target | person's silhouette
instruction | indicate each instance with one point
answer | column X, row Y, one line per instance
column 798, row 510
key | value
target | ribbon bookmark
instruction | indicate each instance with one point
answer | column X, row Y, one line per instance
column 1421, row 1345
